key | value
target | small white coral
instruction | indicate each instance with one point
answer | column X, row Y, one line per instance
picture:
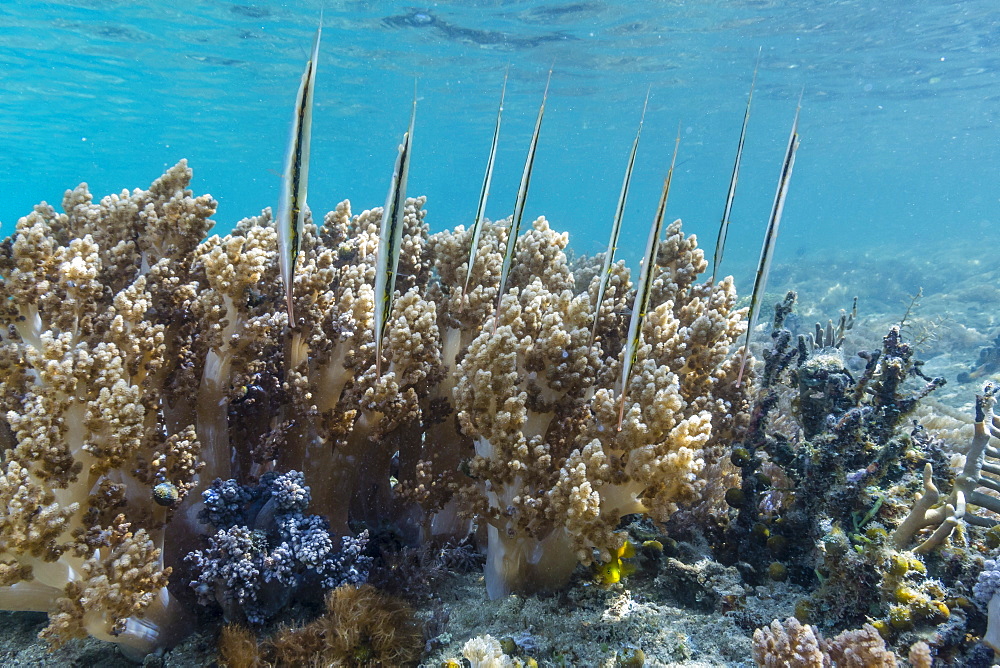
column 787, row 644
column 485, row 652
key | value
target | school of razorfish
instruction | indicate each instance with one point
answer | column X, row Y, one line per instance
column 292, row 208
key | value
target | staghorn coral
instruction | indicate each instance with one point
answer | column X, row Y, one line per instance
column 972, row 486
column 139, row 361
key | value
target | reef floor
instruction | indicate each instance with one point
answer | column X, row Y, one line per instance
column 665, row 609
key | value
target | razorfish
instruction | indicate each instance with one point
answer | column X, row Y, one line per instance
column 720, row 242
column 292, row 206
column 477, row 226
column 645, row 284
column 616, row 226
column 770, row 237
column 522, row 197
column 390, row 239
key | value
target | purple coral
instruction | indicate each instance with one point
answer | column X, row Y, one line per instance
column 232, row 559
column 289, row 491
column 224, row 503
column 267, row 547
column 988, row 583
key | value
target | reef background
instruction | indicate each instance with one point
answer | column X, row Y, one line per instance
column 898, row 106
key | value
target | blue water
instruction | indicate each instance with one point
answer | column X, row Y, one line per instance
column 899, row 134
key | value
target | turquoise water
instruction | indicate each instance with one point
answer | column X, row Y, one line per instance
column 899, row 135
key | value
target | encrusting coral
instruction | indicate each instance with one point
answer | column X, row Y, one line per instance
column 140, row 362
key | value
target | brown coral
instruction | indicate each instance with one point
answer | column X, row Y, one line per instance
column 542, row 409
column 88, row 340
column 791, row 643
column 360, row 627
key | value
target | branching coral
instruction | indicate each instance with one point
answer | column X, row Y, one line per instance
column 555, row 473
column 140, row 362
column 86, row 350
column 972, row 486
column 790, row 643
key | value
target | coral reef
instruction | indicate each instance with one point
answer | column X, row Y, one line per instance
column 142, row 361
column 168, row 436
column 828, row 468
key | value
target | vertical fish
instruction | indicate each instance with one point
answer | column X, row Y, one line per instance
column 645, row 284
column 720, row 242
column 770, row 237
column 390, row 239
column 522, row 197
column 477, row 226
column 616, row 226
column 295, row 181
